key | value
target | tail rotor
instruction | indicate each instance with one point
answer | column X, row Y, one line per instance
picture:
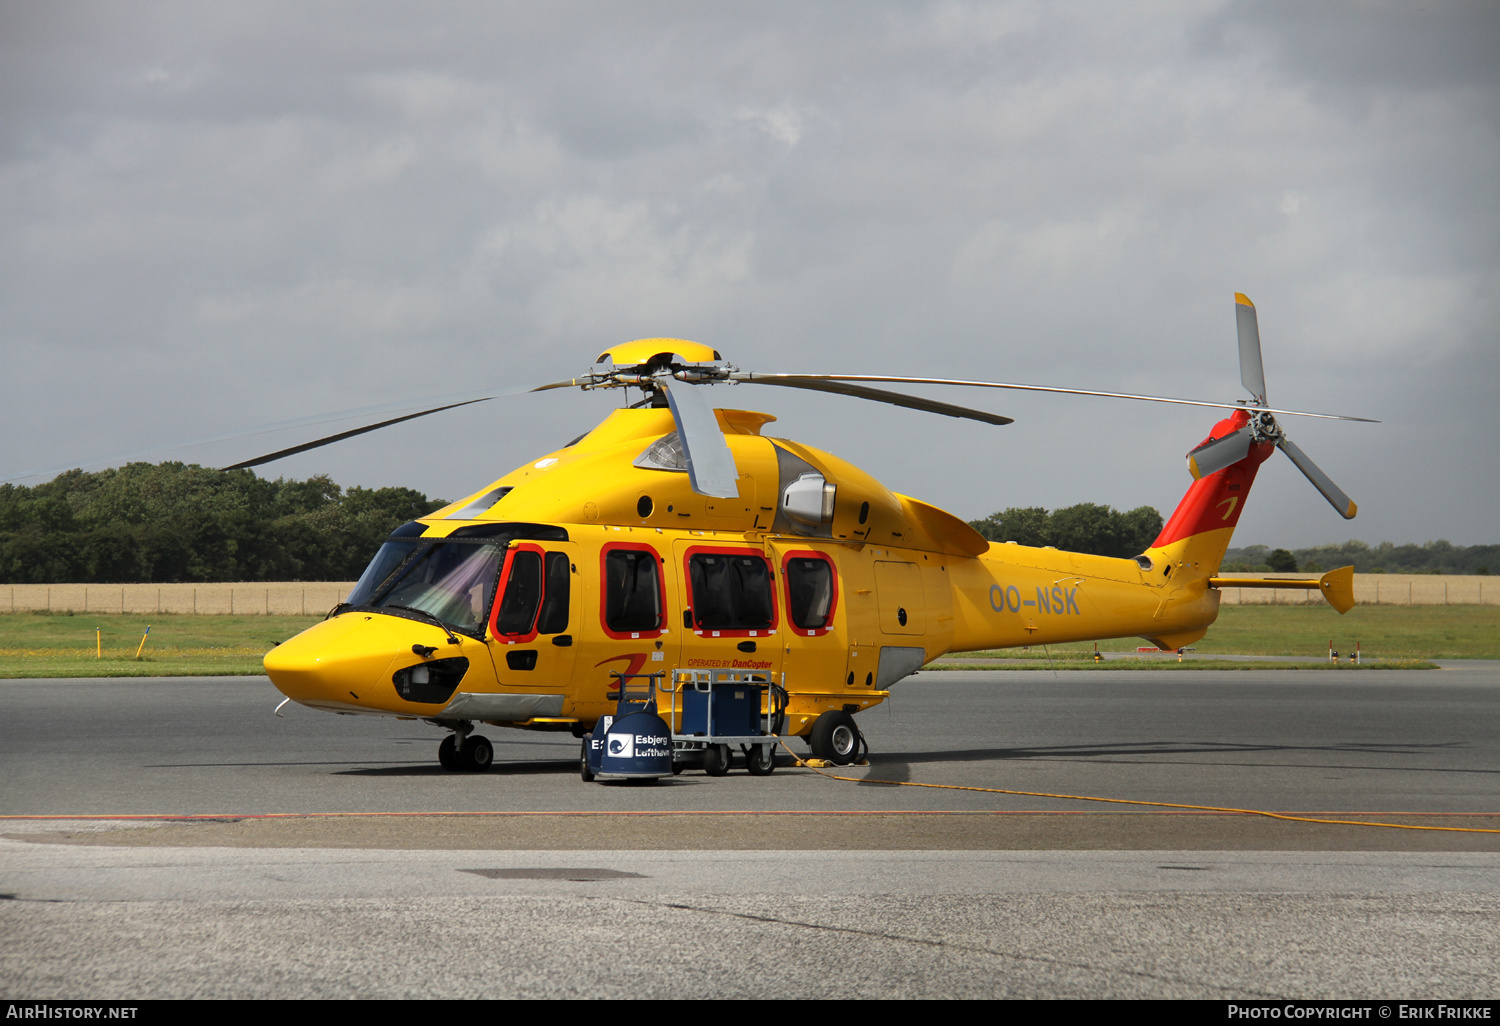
column 1218, row 453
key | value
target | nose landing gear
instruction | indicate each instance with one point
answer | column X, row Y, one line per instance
column 461, row 750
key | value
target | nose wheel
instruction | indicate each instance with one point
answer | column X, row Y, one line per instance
column 475, row 754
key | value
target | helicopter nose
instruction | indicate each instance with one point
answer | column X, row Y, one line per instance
column 339, row 662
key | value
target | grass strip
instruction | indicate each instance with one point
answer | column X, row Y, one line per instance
column 42, row 645
column 1390, row 637
column 1382, row 632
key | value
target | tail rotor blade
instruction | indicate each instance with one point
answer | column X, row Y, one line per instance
column 1321, row 481
column 1252, row 369
column 1214, row 456
column 710, row 464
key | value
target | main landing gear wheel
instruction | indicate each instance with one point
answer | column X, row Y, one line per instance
column 716, row 760
column 760, row 760
column 448, row 754
column 835, row 737
column 477, row 753
column 583, row 763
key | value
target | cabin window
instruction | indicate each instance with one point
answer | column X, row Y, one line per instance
column 554, row 618
column 632, row 591
column 809, row 585
column 523, row 593
column 730, row 592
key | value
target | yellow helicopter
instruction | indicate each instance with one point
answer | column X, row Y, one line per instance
column 676, row 536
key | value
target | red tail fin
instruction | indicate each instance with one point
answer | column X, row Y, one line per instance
column 1206, row 517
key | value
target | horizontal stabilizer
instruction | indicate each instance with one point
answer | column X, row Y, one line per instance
column 1337, row 586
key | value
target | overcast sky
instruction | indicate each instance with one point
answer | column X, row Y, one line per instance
column 222, row 215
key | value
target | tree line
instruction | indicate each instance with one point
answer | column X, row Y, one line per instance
column 1435, row 557
column 168, row 522
column 1104, row 531
column 1087, row 527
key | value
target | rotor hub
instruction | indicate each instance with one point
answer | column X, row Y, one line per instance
column 1264, row 427
column 645, row 362
column 658, row 353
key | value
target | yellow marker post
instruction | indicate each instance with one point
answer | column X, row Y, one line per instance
column 142, row 648
column 98, row 642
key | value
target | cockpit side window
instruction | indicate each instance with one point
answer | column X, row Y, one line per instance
column 554, row 618
column 522, row 595
column 535, row 594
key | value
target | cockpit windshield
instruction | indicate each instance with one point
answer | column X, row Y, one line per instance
column 450, row 579
column 391, row 555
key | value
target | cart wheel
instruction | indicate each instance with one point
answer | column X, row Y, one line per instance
column 835, row 737
column 583, row 764
column 760, row 760
column 716, row 760
column 448, row 754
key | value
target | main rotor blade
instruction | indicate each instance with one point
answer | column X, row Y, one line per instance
column 710, row 464
column 329, row 440
column 1321, row 481
column 439, row 402
column 773, row 379
column 1220, row 453
column 818, row 383
column 1252, row 368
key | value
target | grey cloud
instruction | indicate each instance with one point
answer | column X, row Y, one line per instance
column 240, row 213
column 1363, row 46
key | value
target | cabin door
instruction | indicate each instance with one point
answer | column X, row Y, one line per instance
column 815, row 651
column 535, row 622
column 730, row 616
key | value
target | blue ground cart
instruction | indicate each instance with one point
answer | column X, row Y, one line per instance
column 709, row 710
